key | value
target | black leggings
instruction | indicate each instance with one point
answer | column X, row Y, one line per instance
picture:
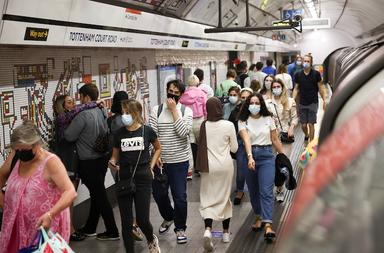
column 142, row 198
column 208, row 223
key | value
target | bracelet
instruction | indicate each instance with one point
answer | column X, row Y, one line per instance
column 49, row 215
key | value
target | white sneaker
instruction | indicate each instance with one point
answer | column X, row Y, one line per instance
column 208, row 245
column 181, row 237
column 154, row 245
column 280, row 195
column 164, row 227
column 226, row 237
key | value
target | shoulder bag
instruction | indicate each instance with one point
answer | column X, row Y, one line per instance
column 283, row 135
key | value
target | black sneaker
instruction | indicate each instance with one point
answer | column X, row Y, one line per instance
column 77, row 237
column 108, row 236
column 86, row 232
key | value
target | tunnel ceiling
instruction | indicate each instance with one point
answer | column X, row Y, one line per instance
column 355, row 17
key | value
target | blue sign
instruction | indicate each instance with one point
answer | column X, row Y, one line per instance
column 287, row 14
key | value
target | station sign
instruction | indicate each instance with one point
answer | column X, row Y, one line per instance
column 37, row 34
column 316, row 23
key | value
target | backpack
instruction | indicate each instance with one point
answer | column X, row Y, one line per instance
column 160, row 109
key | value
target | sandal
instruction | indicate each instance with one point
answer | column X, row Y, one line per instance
column 136, row 234
column 259, row 224
column 270, row 235
column 237, row 200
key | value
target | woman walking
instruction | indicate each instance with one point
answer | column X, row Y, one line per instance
column 134, row 165
column 216, row 167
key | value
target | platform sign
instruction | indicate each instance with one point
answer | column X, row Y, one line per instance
column 289, row 14
column 316, row 23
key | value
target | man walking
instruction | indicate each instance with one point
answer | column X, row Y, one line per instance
column 308, row 85
column 172, row 122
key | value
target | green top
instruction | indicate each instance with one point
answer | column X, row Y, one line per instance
column 222, row 89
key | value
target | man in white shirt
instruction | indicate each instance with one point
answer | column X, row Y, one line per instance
column 257, row 75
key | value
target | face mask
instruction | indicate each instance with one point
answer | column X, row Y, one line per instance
column 298, row 63
column 175, row 97
column 277, row 91
column 254, row 109
column 25, row 155
column 267, row 84
column 306, row 65
column 127, row 119
column 233, row 99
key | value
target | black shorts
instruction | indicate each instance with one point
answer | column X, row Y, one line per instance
column 308, row 113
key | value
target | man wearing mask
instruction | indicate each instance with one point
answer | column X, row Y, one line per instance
column 308, row 84
column 295, row 67
column 172, row 123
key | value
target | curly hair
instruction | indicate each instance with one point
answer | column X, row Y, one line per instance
column 244, row 111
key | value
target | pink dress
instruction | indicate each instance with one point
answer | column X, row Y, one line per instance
column 26, row 200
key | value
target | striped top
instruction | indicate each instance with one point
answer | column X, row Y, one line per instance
column 173, row 135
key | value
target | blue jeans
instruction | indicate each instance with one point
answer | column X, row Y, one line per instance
column 261, row 182
column 177, row 180
column 241, row 166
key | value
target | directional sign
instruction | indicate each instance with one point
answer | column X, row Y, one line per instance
column 287, row 14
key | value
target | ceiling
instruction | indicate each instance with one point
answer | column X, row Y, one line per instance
column 356, row 17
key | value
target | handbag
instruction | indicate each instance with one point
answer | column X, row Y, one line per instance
column 283, row 135
column 102, row 140
column 127, row 186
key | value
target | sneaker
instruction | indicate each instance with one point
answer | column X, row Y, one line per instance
column 181, row 237
column 280, row 195
column 86, row 232
column 208, row 245
column 226, row 237
column 164, row 227
column 189, row 175
column 137, row 235
column 154, row 245
column 108, row 236
column 77, row 237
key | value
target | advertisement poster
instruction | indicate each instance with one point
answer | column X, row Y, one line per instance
column 104, row 80
column 165, row 74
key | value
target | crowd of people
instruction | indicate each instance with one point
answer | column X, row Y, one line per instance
column 246, row 118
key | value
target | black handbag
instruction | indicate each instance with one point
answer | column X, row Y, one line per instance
column 284, row 135
column 127, row 187
column 102, row 140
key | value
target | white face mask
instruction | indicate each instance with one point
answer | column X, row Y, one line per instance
column 277, row 91
column 306, row 65
column 233, row 99
column 127, row 119
column 268, row 84
column 298, row 63
column 254, row 109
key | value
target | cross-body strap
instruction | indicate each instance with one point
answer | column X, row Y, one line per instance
column 277, row 114
column 138, row 159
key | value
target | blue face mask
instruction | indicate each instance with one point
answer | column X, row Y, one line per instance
column 306, row 65
column 254, row 109
column 127, row 119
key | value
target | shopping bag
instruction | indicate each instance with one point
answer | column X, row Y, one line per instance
column 53, row 243
column 35, row 245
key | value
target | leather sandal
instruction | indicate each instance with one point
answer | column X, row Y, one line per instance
column 259, row 224
column 270, row 235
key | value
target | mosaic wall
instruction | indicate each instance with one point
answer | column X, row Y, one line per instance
column 32, row 78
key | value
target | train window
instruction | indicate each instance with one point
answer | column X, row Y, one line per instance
column 361, row 97
column 347, row 215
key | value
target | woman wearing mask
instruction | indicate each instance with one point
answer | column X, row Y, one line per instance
column 65, row 111
column 216, row 169
column 241, row 167
column 114, row 125
column 284, row 113
column 234, row 100
column 266, row 89
column 38, row 191
column 133, row 163
column 286, row 78
column 258, row 131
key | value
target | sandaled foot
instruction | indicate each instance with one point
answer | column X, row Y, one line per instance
column 259, row 224
column 238, row 198
column 269, row 234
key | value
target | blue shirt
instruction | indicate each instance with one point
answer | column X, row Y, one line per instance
column 269, row 70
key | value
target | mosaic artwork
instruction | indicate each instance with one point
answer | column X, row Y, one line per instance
column 36, row 86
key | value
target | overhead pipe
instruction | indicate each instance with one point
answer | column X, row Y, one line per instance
column 247, row 24
column 219, row 25
column 293, row 25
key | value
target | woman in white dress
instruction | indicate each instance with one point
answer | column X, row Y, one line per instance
column 217, row 140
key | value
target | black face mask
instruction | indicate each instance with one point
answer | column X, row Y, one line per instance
column 25, row 155
column 175, row 97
